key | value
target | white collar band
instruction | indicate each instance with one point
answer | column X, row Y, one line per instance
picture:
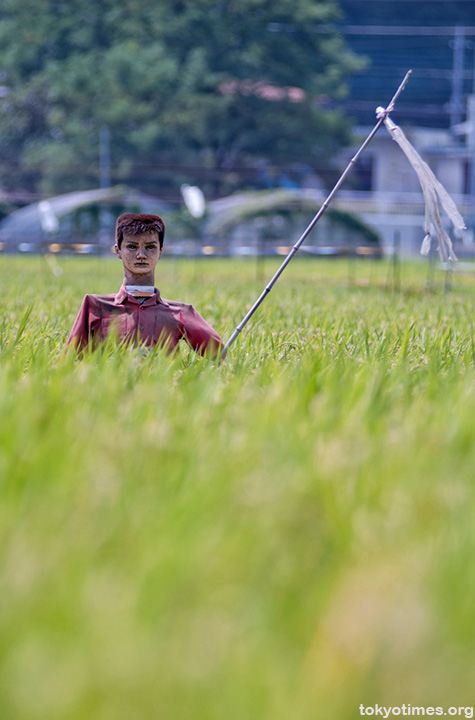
column 140, row 290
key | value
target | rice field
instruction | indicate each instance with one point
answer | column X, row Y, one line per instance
column 288, row 534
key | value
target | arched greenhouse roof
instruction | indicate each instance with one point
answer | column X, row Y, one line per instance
column 36, row 222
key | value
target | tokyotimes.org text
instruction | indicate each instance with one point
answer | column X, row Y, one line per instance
column 414, row 711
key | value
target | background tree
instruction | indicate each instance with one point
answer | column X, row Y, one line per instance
column 205, row 91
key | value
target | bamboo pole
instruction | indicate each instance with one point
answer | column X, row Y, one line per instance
column 382, row 114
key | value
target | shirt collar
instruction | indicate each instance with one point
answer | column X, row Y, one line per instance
column 123, row 296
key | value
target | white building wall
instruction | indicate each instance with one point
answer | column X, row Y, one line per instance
column 391, row 169
column 451, row 173
column 395, row 207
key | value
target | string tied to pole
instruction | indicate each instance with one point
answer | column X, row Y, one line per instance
column 382, row 112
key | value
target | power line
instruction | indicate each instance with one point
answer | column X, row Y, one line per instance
column 400, row 30
column 413, row 109
column 418, row 73
column 451, row 2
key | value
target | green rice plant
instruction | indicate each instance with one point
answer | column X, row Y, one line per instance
column 286, row 533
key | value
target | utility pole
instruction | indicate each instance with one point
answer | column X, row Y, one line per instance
column 105, row 157
column 105, row 183
column 456, row 101
column 471, row 143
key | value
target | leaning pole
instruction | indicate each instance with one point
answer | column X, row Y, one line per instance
column 382, row 115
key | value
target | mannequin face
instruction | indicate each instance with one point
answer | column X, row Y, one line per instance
column 139, row 255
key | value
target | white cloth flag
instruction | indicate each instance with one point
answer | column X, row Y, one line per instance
column 435, row 197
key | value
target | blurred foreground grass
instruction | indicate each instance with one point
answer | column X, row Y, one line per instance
column 290, row 534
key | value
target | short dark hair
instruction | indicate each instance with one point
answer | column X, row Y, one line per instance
column 138, row 223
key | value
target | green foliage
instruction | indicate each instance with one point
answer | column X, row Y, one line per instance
column 177, row 83
column 288, row 534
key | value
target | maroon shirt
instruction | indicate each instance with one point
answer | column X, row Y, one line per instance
column 155, row 321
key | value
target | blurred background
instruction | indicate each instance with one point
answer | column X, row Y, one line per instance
column 231, row 119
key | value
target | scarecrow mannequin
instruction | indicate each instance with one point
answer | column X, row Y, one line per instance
column 137, row 313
